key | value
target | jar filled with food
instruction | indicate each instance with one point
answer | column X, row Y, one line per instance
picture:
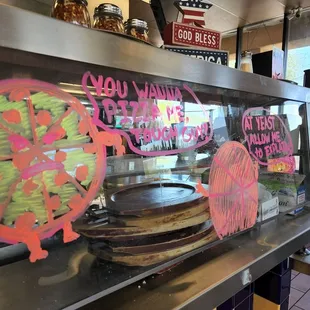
column 246, row 64
column 72, row 11
column 137, row 28
column 108, row 16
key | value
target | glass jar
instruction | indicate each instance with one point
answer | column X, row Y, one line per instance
column 246, row 62
column 72, row 11
column 108, row 17
column 137, row 28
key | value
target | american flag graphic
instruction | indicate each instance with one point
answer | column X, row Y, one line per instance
column 193, row 11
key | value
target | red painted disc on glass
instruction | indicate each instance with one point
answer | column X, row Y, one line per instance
column 233, row 189
column 48, row 175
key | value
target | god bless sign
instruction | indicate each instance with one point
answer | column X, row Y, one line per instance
column 218, row 57
column 181, row 34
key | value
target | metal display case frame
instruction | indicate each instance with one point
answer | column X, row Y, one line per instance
column 201, row 285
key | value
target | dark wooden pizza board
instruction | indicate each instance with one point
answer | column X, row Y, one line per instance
column 154, row 257
column 160, row 219
column 152, row 198
column 165, row 244
column 160, row 238
column 114, row 231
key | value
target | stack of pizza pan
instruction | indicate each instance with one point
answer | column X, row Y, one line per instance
column 148, row 223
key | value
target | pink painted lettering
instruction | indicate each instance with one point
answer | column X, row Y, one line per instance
column 248, row 122
column 153, row 92
column 109, row 87
column 147, row 136
column 263, row 139
column 135, row 107
column 144, row 108
column 136, row 133
column 97, row 84
column 109, row 108
column 161, row 92
column 122, row 93
column 169, row 133
column 123, row 104
column 185, row 133
column 275, row 137
column 155, row 112
column 265, row 122
column 142, row 94
column 156, row 134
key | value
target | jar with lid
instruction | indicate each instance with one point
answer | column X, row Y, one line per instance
column 108, row 16
column 72, row 11
column 137, row 28
column 246, row 64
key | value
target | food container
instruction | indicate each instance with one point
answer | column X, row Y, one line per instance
column 307, row 78
column 246, row 62
column 137, row 28
column 108, row 17
column 269, row 63
column 72, row 11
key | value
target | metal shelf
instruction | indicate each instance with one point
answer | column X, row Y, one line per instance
column 202, row 281
column 213, row 276
column 31, row 32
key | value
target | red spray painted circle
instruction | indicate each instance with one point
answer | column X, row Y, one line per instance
column 28, row 154
column 233, row 189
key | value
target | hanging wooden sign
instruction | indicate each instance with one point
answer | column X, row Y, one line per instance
column 181, row 34
column 218, row 57
column 193, row 11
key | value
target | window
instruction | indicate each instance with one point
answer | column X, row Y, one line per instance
column 299, row 48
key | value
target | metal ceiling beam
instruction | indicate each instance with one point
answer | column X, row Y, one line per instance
column 159, row 15
column 285, row 40
column 239, row 47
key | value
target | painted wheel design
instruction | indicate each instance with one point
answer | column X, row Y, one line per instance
column 52, row 162
column 233, row 190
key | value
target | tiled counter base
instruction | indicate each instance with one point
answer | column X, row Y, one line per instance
column 279, row 289
column 300, row 291
column 269, row 292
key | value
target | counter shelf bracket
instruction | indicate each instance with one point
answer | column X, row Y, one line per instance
column 246, row 277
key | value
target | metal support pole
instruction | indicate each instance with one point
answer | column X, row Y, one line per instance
column 285, row 39
column 239, row 47
column 159, row 15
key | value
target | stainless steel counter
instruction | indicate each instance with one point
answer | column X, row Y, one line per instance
column 211, row 277
column 70, row 278
column 19, row 30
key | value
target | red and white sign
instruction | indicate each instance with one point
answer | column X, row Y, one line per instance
column 181, row 34
column 193, row 11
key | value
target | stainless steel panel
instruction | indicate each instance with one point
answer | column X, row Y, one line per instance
column 155, row 37
column 227, row 15
column 301, row 264
column 38, row 6
column 251, row 10
column 210, row 278
column 295, row 3
column 222, row 20
column 201, row 282
column 171, row 12
column 19, row 30
column 48, row 2
column 141, row 9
